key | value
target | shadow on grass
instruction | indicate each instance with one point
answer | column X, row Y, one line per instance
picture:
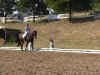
column 74, row 20
column 82, row 19
column 48, row 21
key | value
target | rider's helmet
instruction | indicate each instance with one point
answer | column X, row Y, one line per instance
column 27, row 24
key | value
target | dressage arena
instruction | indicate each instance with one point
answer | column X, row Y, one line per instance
column 44, row 61
column 56, row 61
column 55, row 50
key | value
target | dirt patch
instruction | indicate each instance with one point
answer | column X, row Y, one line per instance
column 48, row 63
column 1, row 41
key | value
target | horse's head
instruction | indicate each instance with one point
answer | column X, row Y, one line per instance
column 34, row 33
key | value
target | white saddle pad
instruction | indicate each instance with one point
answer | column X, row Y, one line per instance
column 23, row 36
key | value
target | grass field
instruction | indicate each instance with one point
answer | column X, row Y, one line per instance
column 84, row 35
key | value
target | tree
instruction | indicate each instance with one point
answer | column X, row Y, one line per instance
column 60, row 6
column 36, row 6
column 27, row 5
column 6, row 7
column 96, row 5
column 41, row 8
column 63, row 6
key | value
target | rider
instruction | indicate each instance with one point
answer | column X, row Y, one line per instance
column 27, row 30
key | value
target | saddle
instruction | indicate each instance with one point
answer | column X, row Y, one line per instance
column 27, row 37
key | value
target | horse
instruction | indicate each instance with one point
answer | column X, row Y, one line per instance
column 29, row 38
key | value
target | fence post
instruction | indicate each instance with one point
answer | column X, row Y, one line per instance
column 29, row 46
column 5, row 36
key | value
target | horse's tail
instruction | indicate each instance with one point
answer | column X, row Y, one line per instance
column 17, row 40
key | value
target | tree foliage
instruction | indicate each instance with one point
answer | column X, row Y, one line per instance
column 32, row 5
column 60, row 6
column 25, row 5
column 6, row 5
column 35, row 6
column 96, row 5
column 63, row 6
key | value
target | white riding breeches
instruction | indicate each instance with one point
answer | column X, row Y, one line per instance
column 24, row 35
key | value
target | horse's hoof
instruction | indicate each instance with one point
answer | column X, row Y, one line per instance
column 34, row 50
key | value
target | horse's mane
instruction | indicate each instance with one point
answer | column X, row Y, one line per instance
column 21, row 32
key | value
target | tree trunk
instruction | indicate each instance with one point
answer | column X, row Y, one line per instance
column 33, row 13
column 85, row 13
column 70, row 15
column 70, row 12
column 5, row 15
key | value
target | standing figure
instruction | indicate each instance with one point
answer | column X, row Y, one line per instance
column 51, row 43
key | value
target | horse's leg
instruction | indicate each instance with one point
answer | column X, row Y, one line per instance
column 21, row 47
column 26, row 45
column 21, row 44
column 32, row 45
column 18, row 43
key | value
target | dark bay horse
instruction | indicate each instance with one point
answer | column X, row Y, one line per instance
column 29, row 38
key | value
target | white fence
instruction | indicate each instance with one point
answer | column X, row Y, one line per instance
column 55, row 50
column 9, row 19
column 59, row 16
